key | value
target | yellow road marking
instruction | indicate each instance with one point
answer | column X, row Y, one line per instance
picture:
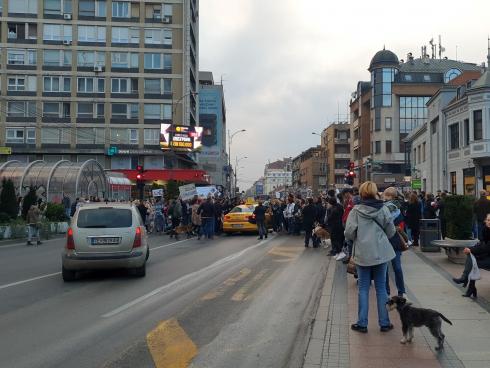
column 219, row 291
column 169, row 345
column 242, row 292
column 288, row 253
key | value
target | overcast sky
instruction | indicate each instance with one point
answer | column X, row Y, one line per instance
column 287, row 65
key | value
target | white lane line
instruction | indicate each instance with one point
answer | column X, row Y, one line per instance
column 170, row 244
column 190, row 276
column 29, row 280
column 33, row 246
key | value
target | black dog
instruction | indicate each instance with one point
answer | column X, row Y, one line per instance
column 416, row 317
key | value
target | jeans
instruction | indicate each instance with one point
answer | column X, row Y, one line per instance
column 33, row 232
column 378, row 273
column 396, row 263
column 159, row 223
column 261, row 228
column 290, row 225
column 208, row 227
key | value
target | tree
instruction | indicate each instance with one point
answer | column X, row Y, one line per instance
column 172, row 191
column 458, row 213
column 8, row 199
column 29, row 200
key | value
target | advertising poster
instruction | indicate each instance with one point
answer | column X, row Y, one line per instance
column 180, row 137
column 211, row 120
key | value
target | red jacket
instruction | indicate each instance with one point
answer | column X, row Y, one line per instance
column 347, row 210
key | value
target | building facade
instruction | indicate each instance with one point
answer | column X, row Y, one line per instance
column 336, row 143
column 92, row 79
column 360, row 118
column 400, row 91
column 308, row 172
column 212, row 117
column 278, row 176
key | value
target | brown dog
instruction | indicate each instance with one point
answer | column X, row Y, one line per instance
column 322, row 234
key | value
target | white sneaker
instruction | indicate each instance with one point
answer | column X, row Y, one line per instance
column 340, row 256
column 410, row 243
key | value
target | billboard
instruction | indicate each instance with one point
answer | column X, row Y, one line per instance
column 211, row 120
column 180, row 137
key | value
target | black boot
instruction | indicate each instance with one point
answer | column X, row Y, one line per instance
column 471, row 292
column 462, row 280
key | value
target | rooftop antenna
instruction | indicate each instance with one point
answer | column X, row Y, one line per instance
column 432, row 48
column 488, row 53
column 338, row 112
column 441, row 48
column 456, row 52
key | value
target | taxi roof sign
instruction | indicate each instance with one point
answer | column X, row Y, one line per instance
column 250, row 201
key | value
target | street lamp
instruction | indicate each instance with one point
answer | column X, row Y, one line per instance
column 174, row 104
column 230, row 139
column 237, row 160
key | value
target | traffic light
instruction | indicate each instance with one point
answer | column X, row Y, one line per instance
column 350, row 174
column 140, row 180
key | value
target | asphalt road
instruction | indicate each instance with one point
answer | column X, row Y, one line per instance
column 230, row 302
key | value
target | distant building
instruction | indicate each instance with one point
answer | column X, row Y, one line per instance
column 336, row 145
column 212, row 117
column 400, row 91
column 308, row 172
column 277, row 175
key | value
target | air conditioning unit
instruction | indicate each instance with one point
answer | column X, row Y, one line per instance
column 166, row 20
column 67, row 42
column 98, row 68
column 67, row 16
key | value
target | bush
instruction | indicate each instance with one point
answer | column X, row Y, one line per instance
column 29, row 200
column 55, row 212
column 4, row 218
column 172, row 190
column 458, row 214
column 8, row 199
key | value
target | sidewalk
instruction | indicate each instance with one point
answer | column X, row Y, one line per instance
column 428, row 281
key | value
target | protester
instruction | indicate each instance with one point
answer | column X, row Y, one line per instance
column 430, row 207
column 309, row 217
column 66, row 201
column 159, row 217
column 369, row 226
column 289, row 213
column 277, row 220
column 206, row 211
column 259, row 213
column 335, row 213
column 33, row 223
column 481, row 209
column 196, row 218
column 412, row 218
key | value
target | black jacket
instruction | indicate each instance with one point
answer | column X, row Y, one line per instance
column 259, row 212
column 413, row 215
column 309, row 215
column 206, row 210
column 334, row 217
column 481, row 208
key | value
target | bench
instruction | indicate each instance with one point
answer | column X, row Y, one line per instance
column 454, row 248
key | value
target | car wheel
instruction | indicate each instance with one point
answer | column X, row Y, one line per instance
column 139, row 271
column 68, row 275
column 147, row 254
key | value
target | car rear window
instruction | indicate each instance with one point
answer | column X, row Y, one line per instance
column 236, row 210
column 105, row 217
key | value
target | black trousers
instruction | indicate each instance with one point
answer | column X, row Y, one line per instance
column 308, row 235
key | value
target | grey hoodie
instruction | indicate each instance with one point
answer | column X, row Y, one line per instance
column 371, row 244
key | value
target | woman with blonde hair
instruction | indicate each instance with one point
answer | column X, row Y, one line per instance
column 369, row 226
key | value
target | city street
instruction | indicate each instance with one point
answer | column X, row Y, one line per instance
column 233, row 301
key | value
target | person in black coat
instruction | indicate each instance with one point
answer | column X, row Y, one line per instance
column 310, row 214
column 412, row 218
column 334, row 220
column 259, row 213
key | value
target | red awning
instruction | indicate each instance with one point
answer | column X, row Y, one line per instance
column 187, row 175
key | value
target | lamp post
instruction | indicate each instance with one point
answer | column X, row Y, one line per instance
column 174, row 104
column 230, row 139
column 237, row 160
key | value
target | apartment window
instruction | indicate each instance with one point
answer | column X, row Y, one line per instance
column 477, row 125
column 387, row 123
column 466, row 132
column 23, row 6
column 125, row 111
column 124, row 136
column 21, row 109
column 91, row 8
column 20, row 135
column 21, row 83
column 153, row 61
column 56, row 135
column 56, row 109
column 454, row 187
column 121, row 9
column 22, row 31
column 377, row 147
column 85, row 110
column 125, row 35
column 124, row 60
column 89, row 85
column 454, row 136
column 90, row 58
column 124, row 85
column 158, row 86
column 419, row 152
column 90, row 135
column 413, row 112
column 388, row 146
column 57, row 7
column 56, row 84
column 99, row 110
column 158, row 36
column 91, row 33
column 157, row 111
column 57, row 32
column 56, row 58
column 423, row 151
column 21, row 57
column 377, row 123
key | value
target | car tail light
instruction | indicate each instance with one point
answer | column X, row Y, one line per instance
column 227, row 218
column 137, row 238
column 70, row 243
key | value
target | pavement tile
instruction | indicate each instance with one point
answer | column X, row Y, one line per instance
column 315, row 350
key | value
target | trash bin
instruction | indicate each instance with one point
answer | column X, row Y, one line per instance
column 430, row 229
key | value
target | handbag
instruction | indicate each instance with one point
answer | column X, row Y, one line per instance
column 403, row 239
column 351, row 267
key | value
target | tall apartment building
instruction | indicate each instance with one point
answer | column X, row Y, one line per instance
column 400, row 91
column 336, row 145
column 277, row 176
column 95, row 79
column 308, row 172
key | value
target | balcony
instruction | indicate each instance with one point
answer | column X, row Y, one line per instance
column 355, row 143
column 339, row 171
column 342, row 140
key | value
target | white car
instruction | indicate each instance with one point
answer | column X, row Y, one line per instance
column 105, row 236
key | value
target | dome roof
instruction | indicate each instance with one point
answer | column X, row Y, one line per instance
column 383, row 57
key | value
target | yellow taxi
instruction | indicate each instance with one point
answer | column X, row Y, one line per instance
column 238, row 220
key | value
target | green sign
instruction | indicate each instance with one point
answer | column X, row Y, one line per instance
column 5, row 151
column 111, row 151
column 416, row 183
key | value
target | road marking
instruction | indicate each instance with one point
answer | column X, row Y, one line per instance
column 29, row 280
column 170, row 244
column 170, row 346
column 242, row 292
column 33, row 246
column 220, row 290
column 286, row 254
column 189, row 277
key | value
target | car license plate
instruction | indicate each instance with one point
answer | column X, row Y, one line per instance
column 104, row 241
column 237, row 226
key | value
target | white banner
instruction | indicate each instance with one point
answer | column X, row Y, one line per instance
column 157, row 192
column 187, row 191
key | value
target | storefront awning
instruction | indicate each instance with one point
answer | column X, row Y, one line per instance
column 185, row 175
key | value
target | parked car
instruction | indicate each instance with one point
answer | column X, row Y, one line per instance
column 105, row 236
column 241, row 220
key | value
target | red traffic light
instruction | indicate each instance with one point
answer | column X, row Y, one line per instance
column 351, row 165
column 139, row 168
column 139, row 177
column 351, row 173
